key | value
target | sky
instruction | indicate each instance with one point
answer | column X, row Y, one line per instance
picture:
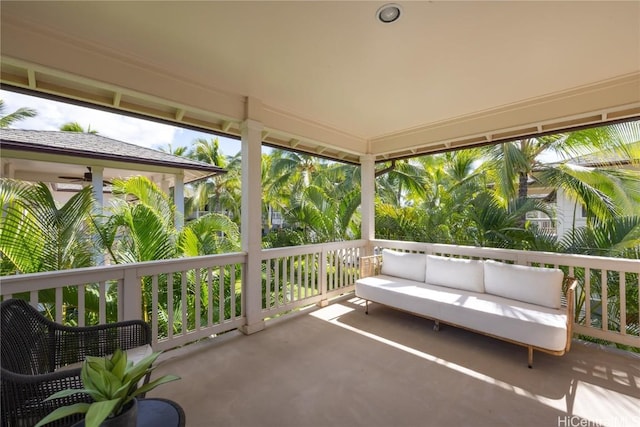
column 53, row 114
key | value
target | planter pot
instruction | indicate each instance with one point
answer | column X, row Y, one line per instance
column 127, row 418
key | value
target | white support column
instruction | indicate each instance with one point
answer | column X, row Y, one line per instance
column 367, row 197
column 165, row 184
column 9, row 170
column 97, row 182
column 178, row 201
column 251, row 224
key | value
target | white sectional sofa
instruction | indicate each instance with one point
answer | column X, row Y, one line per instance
column 516, row 303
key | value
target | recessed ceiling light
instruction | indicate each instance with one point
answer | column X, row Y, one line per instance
column 389, row 13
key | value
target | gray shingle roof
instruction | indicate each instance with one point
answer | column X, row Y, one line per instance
column 608, row 158
column 95, row 146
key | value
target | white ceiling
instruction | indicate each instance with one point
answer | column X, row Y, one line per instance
column 327, row 74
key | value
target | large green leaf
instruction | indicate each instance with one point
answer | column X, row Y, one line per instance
column 64, row 411
column 99, row 411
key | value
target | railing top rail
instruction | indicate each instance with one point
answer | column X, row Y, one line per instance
column 586, row 261
column 182, row 264
column 305, row 249
column 52, row 279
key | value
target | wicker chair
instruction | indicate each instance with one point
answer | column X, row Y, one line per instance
column 33, row 351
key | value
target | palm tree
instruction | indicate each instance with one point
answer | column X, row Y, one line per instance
column 177, row 151
column 324, row 217
column 606, row 193
column 20, row 114
column 142, row 218
column 514, row 163
column 319, row 199
column 495, row 225
column 401, row 182
column 208, row 151
column 37, row 235
column 77, row 127
column 220, row 193
column 140, row 228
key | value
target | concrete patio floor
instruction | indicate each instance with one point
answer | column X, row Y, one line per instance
column 336, row 366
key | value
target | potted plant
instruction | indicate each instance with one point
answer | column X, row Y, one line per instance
column 112, row 382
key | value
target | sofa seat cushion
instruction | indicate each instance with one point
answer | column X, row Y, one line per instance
column 526, row 323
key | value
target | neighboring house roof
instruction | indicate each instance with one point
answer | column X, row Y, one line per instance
column 58, row 147
column 608, row 158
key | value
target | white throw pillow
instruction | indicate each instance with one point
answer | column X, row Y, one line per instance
column 535, row 285
column 403, row 264
column 466, row 274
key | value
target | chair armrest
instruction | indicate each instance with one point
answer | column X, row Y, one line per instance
column 23, row 396
column 74, row 344
column 570, row 283
column 370, row 265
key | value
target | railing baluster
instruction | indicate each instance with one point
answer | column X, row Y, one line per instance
column 276, row 284
column 267, row 285
column 322, row 273
column 336, row 269
column 638, row 292
column 33, row 299
column 284, row 281
column 154, row 309
column 120, row 300
column 81, row 306
column 604, row 303
column 210, row 296
column 198, row 293
column 292, row 272
column 306, row 276
column 623, row 303
column 299, row 285
column 183, row 303
column 343, row 267
column 170, row 305
column 221, row 298
column 59, row 305
column 243, row 274
column 232, row 284
column 102, row 302
column 587, row 296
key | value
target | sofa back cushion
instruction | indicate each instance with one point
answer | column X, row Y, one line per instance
column 403, row 264
column 535, row 285
column 466, row 274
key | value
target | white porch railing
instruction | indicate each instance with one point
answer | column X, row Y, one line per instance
column 607, row 304
column 187, row 299
column 160, row 292
column 297, row 276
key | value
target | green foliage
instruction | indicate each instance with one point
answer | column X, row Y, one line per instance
column 7, row 120
column 77, row 127
column 36, row 235
column 112, row 382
